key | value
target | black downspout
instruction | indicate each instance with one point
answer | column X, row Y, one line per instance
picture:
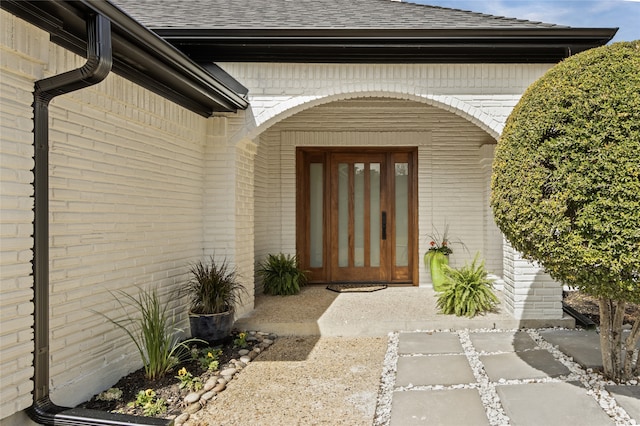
column 96, row 69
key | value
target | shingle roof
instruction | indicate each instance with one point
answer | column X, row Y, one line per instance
column 361, row 31
column 312, row 14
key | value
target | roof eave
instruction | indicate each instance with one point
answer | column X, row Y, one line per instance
column 477, row 45
column 138, row 54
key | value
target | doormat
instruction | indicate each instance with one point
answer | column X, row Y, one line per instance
column 356, row 287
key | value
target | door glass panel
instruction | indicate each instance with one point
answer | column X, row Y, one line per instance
column 316, row 209
column 402, row 213
column 374, row 216
column 358, row 214
column 343, row 215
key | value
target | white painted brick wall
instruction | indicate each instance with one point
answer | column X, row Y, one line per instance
column 126, row 211
column 228, row 226
column 245, row 235
column 531, row 293
column 483, row 93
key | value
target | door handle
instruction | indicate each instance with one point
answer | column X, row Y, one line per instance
column 384, row 225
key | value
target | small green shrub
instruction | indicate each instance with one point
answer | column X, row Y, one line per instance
column 151, row 406
column 153, row 332
column 282, row 275
column 187, row 381
column 207, row 357
column 241, row 340
column 467, row 291
column 111, row 394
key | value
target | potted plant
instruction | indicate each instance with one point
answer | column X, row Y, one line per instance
column 437, row 256
column 282, row 275
column 214, row 291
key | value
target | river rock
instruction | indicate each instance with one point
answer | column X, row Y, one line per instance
column 208, row 395
column 181, row 418
column 227, row 372
column 193, row 408
column 192, row 397
column 209, row 384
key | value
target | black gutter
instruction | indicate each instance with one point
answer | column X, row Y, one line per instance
column 96, row 69
column 224, row 95
column 460, row 45
column 582, row 320
column 138, row 54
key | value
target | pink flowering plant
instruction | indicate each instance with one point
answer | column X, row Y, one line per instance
column 440, row 242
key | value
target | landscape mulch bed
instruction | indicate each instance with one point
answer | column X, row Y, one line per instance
column 166, row 387
column 588, row 306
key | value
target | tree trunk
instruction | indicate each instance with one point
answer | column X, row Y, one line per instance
column 631, row 367
column 611, row 317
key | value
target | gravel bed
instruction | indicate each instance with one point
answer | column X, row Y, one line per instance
column 302, row 381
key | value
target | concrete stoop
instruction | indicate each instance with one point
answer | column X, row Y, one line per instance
column 317, row 311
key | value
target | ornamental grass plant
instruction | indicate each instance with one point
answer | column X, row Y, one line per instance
column 467, row 291
column 153, row 331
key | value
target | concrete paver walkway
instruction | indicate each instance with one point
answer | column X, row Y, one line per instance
column 497, row 378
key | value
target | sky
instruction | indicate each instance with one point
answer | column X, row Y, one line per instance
column 623, row 14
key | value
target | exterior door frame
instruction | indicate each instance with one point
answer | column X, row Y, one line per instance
column 308, row 155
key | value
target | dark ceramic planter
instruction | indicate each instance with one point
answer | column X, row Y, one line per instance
column 211, row 327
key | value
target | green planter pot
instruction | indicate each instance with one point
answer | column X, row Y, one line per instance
column 436, row 262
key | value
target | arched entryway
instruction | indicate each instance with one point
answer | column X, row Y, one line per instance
column 446, row 163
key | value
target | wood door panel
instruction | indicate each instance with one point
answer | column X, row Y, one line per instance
column 352, row 261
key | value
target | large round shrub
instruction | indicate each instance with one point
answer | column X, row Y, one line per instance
column 566, row 174
column 566, row 185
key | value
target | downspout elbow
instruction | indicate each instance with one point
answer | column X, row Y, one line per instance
column 98, row 65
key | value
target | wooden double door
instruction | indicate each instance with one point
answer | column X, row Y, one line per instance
column 356, row 214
